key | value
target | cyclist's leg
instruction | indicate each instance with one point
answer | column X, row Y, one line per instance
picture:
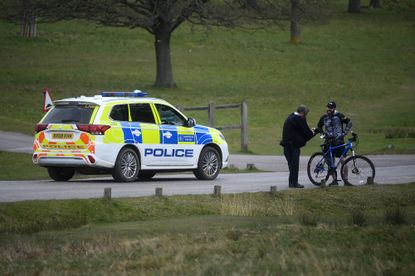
column 334, row 173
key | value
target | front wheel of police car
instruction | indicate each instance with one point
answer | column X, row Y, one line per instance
column 209, row 164
column 127, row 166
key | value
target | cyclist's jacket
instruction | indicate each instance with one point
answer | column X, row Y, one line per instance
column 333, row 124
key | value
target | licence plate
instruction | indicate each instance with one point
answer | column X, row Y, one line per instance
column 62, row 136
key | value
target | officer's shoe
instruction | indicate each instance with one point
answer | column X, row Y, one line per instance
column 298, row 186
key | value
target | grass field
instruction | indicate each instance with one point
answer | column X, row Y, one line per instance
column 363, row 230
column 15, row 166
column 365, row 62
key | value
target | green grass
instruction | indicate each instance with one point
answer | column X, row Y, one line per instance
column 19, row 166
column 365, row 62
column 192, row 235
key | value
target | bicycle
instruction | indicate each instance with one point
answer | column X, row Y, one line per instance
column 354, row 171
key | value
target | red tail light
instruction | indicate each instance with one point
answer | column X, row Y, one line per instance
column 40, row 127
column 93, row 129
column 91, row 159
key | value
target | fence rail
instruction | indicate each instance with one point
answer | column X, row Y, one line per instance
column 211, row 108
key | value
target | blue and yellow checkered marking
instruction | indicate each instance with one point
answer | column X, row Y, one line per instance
column 168, row 134
column 186, row 138
column 135, row 132
column 132, row 133
column 202, row 135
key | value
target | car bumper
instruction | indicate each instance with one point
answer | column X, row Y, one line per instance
column 69, row 160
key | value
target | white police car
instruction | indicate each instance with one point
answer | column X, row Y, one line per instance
column 128, row 135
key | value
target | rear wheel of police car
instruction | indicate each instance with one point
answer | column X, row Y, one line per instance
column 60, row 174
column 127, row 166
column 209, row 163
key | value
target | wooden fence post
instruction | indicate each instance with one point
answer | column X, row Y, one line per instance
column 244, row 126
column 217, row 191
column 273, row 190
column 211, row 114
column 159, row 191
column 107, row 194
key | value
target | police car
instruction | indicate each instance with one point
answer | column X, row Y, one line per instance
column 128, row 135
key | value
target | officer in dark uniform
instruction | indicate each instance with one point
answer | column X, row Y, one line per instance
column 295, row 135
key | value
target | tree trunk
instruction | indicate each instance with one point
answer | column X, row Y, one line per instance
column 295, row 22
column 374, row 4
column 164, row 77
column 28, row 25
column 354, row 6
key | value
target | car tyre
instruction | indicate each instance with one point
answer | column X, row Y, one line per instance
column 61, row 174
column 209, row 164
column 127, row 166
column 146, row 175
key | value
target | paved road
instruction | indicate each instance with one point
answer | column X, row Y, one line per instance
column 16, row 142
column 173, row 184
column 394, row 169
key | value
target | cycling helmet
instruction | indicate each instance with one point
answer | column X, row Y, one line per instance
column 331, row 105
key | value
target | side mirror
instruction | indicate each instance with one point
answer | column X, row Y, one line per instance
column 190, row 122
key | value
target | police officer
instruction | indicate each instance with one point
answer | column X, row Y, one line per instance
column 295, row 135
column 336, row 125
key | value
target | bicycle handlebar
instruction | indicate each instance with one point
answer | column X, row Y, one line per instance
column 329, row 138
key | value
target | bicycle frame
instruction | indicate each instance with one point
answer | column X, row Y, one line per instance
column 348, row 146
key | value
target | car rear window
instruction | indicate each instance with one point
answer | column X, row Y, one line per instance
column 67, row 114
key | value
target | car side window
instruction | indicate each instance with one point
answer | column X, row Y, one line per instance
column 170, row 116
column 119, row 112
column 142, row 113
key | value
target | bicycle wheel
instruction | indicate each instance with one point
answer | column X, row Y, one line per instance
column 356, row 170
column 318, row 169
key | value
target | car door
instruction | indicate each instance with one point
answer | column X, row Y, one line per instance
column 177, row 141
column 145, row 131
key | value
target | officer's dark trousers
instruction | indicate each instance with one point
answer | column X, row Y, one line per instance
column 292, row 154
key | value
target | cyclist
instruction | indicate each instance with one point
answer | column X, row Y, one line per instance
column 336, row 126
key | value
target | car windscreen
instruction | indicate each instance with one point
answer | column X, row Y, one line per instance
column 67, row 114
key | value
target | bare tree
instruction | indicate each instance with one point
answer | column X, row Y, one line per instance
column 307, row 11
column 295, row 22
column 162, row 17
column 354, row 6
column 374, row 4
column 22, row 12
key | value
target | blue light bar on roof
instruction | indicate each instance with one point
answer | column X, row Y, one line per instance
column 135, row 94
